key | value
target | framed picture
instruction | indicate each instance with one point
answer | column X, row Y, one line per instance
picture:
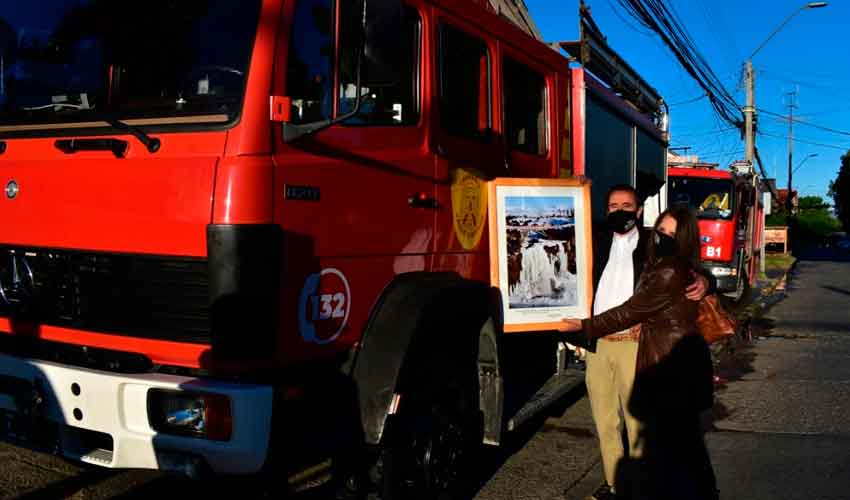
column 540, row 253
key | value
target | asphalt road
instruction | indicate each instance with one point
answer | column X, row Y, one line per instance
column 783, row 430
column 780, row 427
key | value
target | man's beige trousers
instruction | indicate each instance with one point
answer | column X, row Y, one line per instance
column 609, row 378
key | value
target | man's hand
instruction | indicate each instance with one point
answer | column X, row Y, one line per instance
column 570, row 325
column 696, row 290
column 571, row 331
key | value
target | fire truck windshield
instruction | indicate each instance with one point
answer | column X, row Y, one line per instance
column 710, row 198
column 64, row 61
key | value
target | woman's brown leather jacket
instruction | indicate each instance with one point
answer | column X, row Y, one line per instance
column 659, row 305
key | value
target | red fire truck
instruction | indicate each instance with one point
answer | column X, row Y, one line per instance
column 241, row 236
column 729, row 208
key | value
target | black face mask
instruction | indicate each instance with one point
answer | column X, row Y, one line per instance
column 665, row 246
column 622, row 221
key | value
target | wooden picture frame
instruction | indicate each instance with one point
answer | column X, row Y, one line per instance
column 541, row 258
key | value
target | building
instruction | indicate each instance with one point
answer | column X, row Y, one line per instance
column 692, row 161
column 780, row 203
column 516, row 12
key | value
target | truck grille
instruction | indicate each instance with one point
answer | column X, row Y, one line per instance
column 142, row 296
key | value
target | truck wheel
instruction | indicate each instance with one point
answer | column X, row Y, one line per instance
column 743, row 284
column 430, row 448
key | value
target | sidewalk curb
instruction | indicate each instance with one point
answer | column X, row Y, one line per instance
column 769, row 297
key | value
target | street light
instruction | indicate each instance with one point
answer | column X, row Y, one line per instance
column 810, row 5
column 804, row 161
column 750, row 108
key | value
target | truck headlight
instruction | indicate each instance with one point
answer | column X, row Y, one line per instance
column 723, row 271
column 193, row 414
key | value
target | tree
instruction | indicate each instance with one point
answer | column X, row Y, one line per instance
column 814, row 224
column 839, row 190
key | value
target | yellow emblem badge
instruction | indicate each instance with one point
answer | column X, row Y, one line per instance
column 469, row 207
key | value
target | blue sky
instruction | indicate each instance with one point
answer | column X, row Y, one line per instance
column 810, row 55
column 532, row 205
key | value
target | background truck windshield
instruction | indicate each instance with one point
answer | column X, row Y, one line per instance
column 710, row 198
column 72, row 60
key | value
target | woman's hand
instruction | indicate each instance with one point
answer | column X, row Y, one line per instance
column 569, row 325
column 697, row 290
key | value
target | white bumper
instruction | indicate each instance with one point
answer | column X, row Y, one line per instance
column 116, row 404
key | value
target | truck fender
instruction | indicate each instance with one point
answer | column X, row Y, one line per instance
column 422, row 325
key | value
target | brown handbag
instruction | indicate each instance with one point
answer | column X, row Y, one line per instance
column 713, row 321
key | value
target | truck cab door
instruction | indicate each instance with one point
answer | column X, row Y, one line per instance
column 355, row 200
column 467, row 142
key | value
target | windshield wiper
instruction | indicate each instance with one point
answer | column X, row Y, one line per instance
column 152, row 144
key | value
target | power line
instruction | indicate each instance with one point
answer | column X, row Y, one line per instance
column 695, row 99
column 631, row 26
column 711, row 28
column 703, row 132
column 797, row 139
column 657, row 16
column 763, row 173
column 796, row 136
column 803, row 122
column 805, row 83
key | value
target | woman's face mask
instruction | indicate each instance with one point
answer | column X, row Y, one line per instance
column 665, row 246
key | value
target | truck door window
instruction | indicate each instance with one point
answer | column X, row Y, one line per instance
column 464, row 84
column 309, row 75
column 525, row 108
column 387, row 105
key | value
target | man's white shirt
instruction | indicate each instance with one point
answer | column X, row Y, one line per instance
column 618, row 278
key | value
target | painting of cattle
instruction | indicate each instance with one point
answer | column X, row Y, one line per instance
column 540, row 250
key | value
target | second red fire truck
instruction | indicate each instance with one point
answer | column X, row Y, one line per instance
column 728, row 206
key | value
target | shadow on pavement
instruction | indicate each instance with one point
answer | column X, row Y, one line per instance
column 836, row 289
column 493, row 458
column 823, row 254
column 69, row 486
column 734, row 364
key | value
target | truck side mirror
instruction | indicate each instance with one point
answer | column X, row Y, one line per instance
column 379, row 58
column 383, row 31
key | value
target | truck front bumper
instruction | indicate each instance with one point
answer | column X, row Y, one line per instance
column 726, row 276
column 101, row 418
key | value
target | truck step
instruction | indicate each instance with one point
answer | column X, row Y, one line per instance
column 553, row 389
column 98, row 457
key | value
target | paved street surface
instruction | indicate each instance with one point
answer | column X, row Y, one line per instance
column 781, row 426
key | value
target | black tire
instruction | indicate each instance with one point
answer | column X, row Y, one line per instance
column 430, row 447
column 743, row 287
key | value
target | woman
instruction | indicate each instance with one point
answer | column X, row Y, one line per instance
column 673, row 380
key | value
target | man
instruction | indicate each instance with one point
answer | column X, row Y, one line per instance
column 619, row 253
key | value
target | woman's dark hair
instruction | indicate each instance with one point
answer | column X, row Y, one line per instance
column 687, row 235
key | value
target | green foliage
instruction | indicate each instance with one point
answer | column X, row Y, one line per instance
column 811, row 202
column 814, row 223
column 839, row 190
column 776, row 219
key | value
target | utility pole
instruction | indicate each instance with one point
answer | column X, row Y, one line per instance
column 791, row 106
column 749, row 114
column 749, row 151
